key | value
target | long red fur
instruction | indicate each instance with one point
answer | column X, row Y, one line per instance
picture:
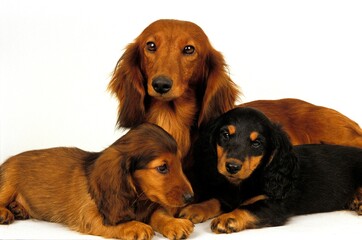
column 201, row 90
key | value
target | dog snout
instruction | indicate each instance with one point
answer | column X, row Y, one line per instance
column 232, row 168
column 188, row 197
column 162, row 84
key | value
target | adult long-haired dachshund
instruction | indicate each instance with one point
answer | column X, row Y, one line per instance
column 173, row 77
column 115, row 193
column 250, row 171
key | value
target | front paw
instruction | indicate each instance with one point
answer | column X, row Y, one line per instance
column 194, row 213
column 234, row 221
column 18, row 210
column 136, row 230
column 201, row 212
column 6, row 217
column 177, row 228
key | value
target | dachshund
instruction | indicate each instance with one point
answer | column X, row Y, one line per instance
column 126, row 191
column 250, row 171
column 173, row 77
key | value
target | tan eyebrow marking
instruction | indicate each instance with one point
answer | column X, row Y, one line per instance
column 254, row 136
column 232, row 129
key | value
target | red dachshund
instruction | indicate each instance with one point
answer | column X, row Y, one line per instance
column 172, row 76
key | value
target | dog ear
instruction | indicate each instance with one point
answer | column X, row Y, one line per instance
column 282, row 169
column 112, row 188
column 127, row 84
column 219, row 92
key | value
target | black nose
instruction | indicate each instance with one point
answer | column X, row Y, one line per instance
column 232, row 167
column 162, row 84
column 188, row 197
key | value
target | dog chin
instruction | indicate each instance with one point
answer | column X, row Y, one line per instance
column 234, row 180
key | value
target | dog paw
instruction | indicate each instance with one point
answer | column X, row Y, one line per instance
column 6, row 217
column 195, row 213
column 234, row 221
column 200, row 212
column 136, row 231
column 178, row 228
column 18, row 210
column 224, row 225
column 356, row 204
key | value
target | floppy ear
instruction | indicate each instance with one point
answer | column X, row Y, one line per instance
column 127, row 85
column 204, row 174
column 219, row 92
column 112, row 188
column 282, row 169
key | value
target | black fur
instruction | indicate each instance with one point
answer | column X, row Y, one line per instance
column 296, row 180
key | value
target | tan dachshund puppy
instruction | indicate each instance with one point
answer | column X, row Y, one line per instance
column 115, row 193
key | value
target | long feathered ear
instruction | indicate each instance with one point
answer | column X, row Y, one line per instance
column 112, row 188
column 283, row 166
column 127, row 85
column 219, row 92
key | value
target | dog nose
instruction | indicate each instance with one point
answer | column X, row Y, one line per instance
column 188, row 197
column 232, row 167
column 162, row 84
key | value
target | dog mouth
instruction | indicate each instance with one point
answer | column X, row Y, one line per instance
column 233, row 179
column 173, row 201
column 162, row 97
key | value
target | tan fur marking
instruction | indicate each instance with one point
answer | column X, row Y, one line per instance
column 221, row 160
column 250, row 164
column 254, row 200
column 232, row 129
column 254, row 136
column 220, row 151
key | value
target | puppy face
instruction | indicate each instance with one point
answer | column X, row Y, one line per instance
column 172, row 53
column 163, row 181
column 242, row 141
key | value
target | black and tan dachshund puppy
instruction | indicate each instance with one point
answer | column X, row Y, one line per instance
column 248, row 170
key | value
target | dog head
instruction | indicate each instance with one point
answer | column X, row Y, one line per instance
column 245, row 140
column 142, row 165
column 171, row 59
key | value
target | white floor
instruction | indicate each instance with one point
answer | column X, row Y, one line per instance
column 340, row 224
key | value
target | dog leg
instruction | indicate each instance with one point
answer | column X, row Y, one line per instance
column 170, row 227
column 128, row 230
column 253, row 213
column 201, row 212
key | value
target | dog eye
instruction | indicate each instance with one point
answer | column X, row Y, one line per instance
column 151, row 46
column 256, row 143
column 188, row 50
column 162, row 169
column 224, row 136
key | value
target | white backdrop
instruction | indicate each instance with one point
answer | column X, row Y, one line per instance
column 56, row 59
